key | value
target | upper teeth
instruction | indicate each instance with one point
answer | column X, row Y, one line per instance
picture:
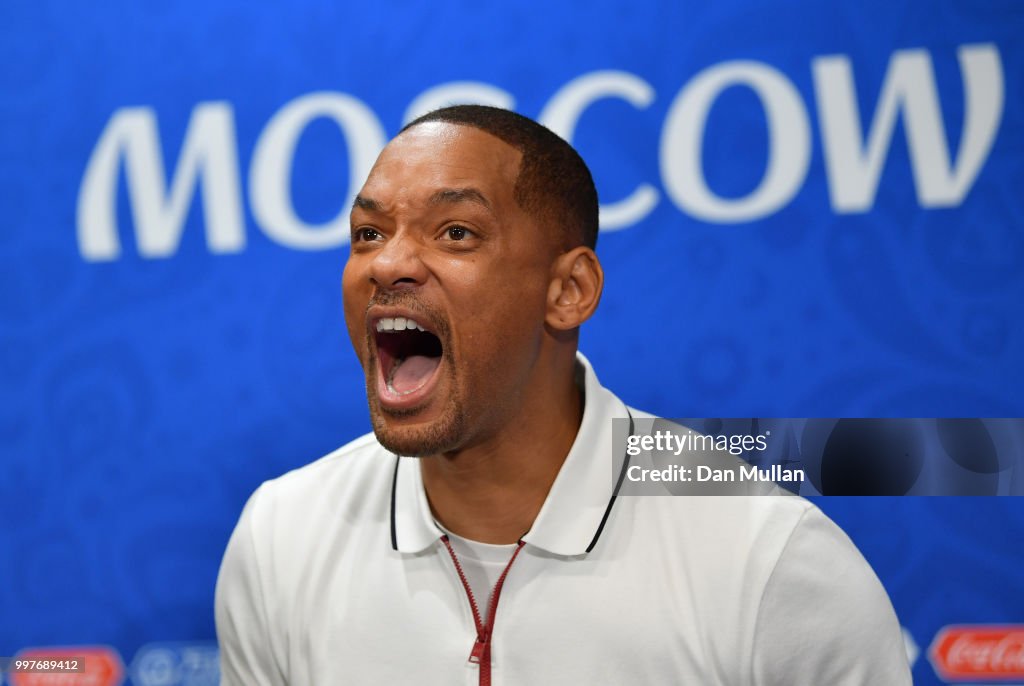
column 397, row 324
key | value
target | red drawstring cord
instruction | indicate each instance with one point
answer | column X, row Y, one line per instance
column 481, row 653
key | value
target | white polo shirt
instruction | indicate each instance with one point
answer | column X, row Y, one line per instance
column 336, row 574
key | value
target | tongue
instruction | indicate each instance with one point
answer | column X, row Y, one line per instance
column 413, row 372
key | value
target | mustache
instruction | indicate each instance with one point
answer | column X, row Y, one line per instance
column 425, row 314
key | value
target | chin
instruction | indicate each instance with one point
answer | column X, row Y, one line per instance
column 418, row 439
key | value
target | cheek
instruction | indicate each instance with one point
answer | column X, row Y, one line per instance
column 501, row 312
column 354, row 304
column 490, row 284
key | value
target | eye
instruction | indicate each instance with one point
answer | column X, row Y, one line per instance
column 457, row 233
column 365, row 234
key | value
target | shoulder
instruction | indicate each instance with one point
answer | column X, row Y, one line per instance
column 773, row 578
column 740, row 538
column 730, row 535
column 357, row 460
column 822, row 593
column 273, row 551
column 353, row 477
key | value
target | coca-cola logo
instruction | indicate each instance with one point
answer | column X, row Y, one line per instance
column 991, row 652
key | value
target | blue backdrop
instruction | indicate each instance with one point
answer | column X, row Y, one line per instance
column 809, row 210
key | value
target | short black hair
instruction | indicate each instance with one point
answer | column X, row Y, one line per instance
column 553, row 184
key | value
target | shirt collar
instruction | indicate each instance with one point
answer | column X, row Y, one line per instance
column 577, row 506
column 412, row 524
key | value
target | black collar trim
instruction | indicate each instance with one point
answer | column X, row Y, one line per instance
column 394, row 488
column 618, row 485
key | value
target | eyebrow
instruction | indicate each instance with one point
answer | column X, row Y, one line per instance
column 445, row 196
column 457, row 195
column 368, row 204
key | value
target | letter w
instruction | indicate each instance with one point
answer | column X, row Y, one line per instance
column 208, row 152
column 909, row 87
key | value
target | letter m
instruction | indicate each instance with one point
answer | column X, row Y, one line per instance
column 909, row 87
column 208, row 158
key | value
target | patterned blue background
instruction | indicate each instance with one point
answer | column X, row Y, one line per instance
column 142, row 399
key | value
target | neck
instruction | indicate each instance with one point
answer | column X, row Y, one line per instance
column 492, row 491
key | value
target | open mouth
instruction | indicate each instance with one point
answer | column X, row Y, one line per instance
column 409, row 356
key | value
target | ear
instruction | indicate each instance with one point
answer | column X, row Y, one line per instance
column 574, row 289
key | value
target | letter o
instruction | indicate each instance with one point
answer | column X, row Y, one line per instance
column 681, row 151
column 270, row 171
column 563, row 111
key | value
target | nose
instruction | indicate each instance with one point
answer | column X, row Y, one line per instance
column 398, row 263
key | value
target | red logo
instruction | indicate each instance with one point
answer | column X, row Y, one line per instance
column 52, row 666
column 986, row 652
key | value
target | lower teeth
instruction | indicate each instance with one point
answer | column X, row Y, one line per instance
column 392, row 389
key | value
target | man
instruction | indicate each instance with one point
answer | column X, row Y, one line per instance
column 476, row 536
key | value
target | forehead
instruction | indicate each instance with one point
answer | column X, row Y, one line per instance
column 438, row 155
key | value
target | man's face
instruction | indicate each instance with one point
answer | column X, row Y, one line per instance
column 439, row 239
